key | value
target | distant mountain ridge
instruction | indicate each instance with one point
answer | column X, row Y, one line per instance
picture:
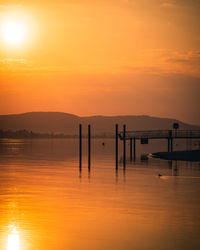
column 59, row 122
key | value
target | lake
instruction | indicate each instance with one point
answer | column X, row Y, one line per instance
column 48, row 203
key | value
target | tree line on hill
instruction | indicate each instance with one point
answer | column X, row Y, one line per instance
column 25, row 134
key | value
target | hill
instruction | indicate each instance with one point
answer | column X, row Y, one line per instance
column 57, row 122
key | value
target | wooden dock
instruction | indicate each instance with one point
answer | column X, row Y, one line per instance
column 145, row 136
column 161, row 134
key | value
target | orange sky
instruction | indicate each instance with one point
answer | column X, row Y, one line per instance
column 103, row 57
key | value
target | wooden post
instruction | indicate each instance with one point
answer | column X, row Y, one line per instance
column 80, row 146
column 171, row 144
column 134, row 149
column 116, row 175
column 168, row 145
column 124, row 145
column 116, row 145
column 131, row 149
column 89, row 146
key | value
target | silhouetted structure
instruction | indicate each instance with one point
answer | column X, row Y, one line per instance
column 116, row 145
column 80, row 146
column 89, row 146
column 145, row 136
column 124, row 145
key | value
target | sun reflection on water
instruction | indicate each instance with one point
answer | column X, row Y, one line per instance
column 13, row 239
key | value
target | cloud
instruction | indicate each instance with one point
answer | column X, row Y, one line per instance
column 21, row 66
column 189, row 2
column 154, row 62
column 161, row 62
column 189, row 58
column 10, row 61
column 15, row 65
column 6, row 6
column 169, row 5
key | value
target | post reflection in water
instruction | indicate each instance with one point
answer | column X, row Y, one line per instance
column 46, row 196
column 13, row 239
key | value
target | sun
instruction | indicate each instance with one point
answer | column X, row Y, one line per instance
column 13, row 31
column 13, row 239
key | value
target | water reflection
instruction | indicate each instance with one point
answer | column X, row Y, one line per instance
column 46, row 196
column 13, row 239
column 116, row 175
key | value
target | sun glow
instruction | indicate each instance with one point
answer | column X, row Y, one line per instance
column 13, row 239
column 13, row 31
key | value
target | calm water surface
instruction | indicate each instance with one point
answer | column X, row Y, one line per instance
column 46, row 203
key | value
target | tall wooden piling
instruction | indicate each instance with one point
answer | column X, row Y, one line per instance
column 124, row 145
column 168, row 145
column 171, row 144
column 131, row 149
column 80, row 146
column 116, row 145
column 89, row 146
column 170, row 141
column 134, row 149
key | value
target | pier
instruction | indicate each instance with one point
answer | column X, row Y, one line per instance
column 145, row 136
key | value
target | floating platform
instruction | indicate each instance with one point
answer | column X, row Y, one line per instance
column 192, row 155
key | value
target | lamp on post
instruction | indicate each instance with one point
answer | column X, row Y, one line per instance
column 175, row 126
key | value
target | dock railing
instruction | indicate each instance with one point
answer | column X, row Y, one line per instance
column 160, row 134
